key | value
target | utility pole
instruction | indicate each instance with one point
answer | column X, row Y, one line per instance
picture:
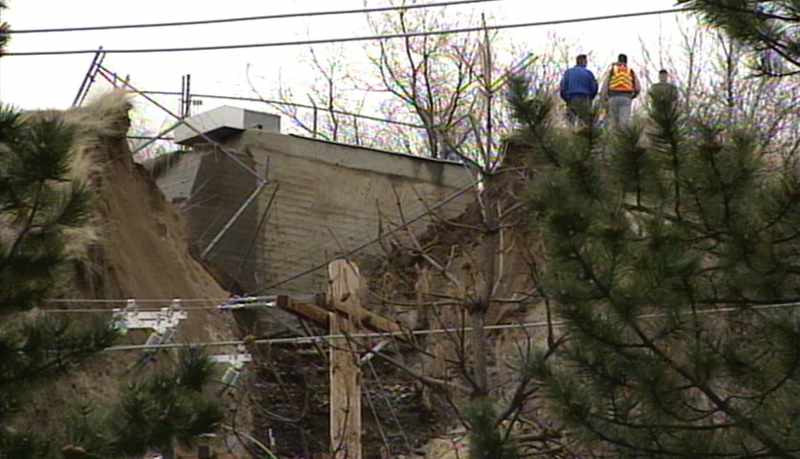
column 345, row 374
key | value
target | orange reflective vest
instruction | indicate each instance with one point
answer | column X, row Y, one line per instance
column 621, row 79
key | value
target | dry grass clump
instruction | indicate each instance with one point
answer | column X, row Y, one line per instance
column 99, row 128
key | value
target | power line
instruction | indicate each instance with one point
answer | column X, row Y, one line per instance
column 288, row 104
column 249, row 18
column 353, row 39
column 148, row 137
column 138, row 300
column 243, row 300
column 106, row 310
column 317, row 339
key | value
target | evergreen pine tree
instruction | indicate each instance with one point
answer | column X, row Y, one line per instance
column 156, row 412
column 38, row 203
column 673, row 258
column 486, row 440
column 3, row 29
column 771, row 28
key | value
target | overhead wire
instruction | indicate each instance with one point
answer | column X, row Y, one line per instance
column 317, row 339
column 288, row 104
column 138, row 300
column 352, row 39
column 246, row 301
column 249, row 18
column 101, row 310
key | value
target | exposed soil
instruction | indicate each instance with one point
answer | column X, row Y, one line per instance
column 142, row 253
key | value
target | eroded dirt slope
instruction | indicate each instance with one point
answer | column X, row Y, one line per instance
column 135, row 248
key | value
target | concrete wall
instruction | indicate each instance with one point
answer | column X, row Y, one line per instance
column 327, row 198
column 175, row 174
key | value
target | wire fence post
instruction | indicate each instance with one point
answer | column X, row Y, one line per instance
column 181, row 102
column 315, row 122
column 187, row 98
column 88, row 79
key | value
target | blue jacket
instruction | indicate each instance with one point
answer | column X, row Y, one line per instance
column 578, row 81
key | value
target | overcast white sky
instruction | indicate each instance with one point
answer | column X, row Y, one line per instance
column 52, row 81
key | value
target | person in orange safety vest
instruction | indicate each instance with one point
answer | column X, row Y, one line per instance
column 620, row 88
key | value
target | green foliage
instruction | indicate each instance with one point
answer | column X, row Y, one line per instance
column 663, row 241
column 165, row 408
column 38, row 202
column 3, row 28
column 161, row 409
column 770, row 28
column 486, row 440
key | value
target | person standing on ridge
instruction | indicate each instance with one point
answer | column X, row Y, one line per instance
column 621, row 87
column 578, row 89
column 664, row 89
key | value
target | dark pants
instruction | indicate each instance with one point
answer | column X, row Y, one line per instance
column 579, row 108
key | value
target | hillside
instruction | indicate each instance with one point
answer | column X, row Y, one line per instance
column 135, row 247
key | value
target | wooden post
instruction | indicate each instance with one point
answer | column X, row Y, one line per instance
column 345, row 374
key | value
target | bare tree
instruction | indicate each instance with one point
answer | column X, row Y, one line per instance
column 324, row 112
column 445, row 90
column 468, row 276
column 714, row 74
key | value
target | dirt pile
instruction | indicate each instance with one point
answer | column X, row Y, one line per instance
column 135, row 247
column 141, row 251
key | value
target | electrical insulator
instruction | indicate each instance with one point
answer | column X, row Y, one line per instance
column 231, row 376
column 153, row 340
column 121, row 326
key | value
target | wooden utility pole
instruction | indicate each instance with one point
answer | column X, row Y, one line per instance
column 340, row 310
column 345, row 374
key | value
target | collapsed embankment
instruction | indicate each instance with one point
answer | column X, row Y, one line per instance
column 134, row 247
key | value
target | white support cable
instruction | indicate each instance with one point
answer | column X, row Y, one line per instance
column 436, row 331
column 230, row 304
column 111, row 310
column 249, row 18
column 138, row 300
column 218, row 303
column 351, row 39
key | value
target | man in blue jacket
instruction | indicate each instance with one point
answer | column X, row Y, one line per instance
column 578, row 89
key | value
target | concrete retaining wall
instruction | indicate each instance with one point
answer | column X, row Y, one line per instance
column 327, row 200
